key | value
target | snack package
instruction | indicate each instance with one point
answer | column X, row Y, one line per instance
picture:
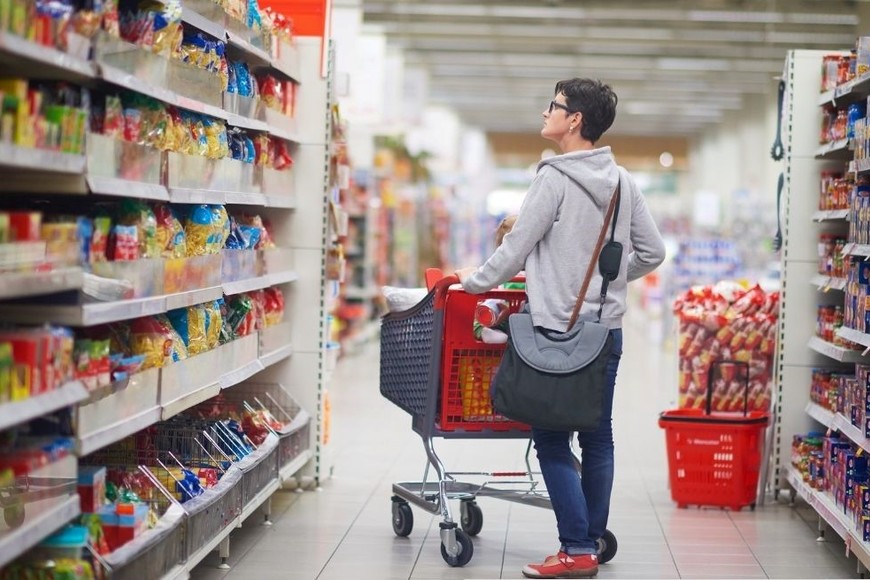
column 200, row 231
column 197, row 329
column 155, row 338
column 170, row 234
column 123, row 243
column 140, row 215
column 720, row 323
column 273, row 306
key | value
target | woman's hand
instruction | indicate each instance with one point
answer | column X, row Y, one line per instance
column 464, row 273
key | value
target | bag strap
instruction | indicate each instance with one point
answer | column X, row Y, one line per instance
column 614, row 201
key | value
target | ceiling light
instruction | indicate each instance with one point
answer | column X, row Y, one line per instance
column 666, row 160
column 693, row 64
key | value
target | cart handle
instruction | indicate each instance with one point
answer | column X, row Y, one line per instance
column 720, row 363
column 440, row 289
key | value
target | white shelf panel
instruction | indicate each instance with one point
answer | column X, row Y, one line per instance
column 838, row 422
column 820, row 414
column 256, row 55
column 200, row 22
column 833, row 515
column 234, row 377
column 105, row 312
column 15, row 543
column 856, row 250
column 853, row 335
column 17, row 412
column 833, row 149
column 276, row 355
column 853, row 90
column 190, row 399
column 61, row 63
column 826, row 283
column 280, row 202
column 87, row 443
column 265, row 281
column 287, row 471
column 831, row 215
column 16, row 157
column 22, row 284
column 118, row 187
column 835, row 352
column 193, row 297
column 260, row 499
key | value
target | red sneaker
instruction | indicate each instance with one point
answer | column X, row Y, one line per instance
column 564, row 566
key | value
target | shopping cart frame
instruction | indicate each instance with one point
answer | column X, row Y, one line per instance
column 412, row 345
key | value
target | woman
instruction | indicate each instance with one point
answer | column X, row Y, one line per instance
column 553, row 240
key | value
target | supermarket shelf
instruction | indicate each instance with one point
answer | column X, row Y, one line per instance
column 250, row 124
column 190, row 399
column 244, row 198
column 833, row 515
column 280, row 202
column 15, row 543
column 22, row 284
column 182, row 572
column 259, row 283
column 96, row 313
column 257, row 56
column 193, row 297
column 118, row 187
column 854, row 90
column 833, row 149
column 838, row 422
column 90, row 442
column 56, row 63
column 820, row 414
column 200, row 22
column 862, row 166
column 289, row 470
column 276, row 356
column 853, row 335
column 856, row 250
column 16, row 157
column 18, row 412
column 835, row 352
column 825, row 283
column 831, row 215
column 241, row 374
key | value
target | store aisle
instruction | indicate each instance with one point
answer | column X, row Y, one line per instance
column 344, row 530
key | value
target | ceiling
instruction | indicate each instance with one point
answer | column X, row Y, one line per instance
column 677, row 66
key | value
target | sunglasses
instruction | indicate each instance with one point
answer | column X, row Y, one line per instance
column 555, row 105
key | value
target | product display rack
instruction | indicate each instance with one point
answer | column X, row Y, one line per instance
column 799, row 350
column 289, row 356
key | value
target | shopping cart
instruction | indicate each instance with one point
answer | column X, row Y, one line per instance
column 714, row 458
column 434, row 368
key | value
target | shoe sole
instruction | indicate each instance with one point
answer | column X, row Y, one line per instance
column 578, row 574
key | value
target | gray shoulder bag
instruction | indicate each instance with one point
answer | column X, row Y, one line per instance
column 556, row 380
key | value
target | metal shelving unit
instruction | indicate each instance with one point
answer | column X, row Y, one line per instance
column 799, row 351
column 292, row 353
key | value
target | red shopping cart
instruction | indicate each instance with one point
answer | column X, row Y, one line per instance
column 434, row 368
column 714, row 458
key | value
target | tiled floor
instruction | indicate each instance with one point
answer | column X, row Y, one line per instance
column 343, row 531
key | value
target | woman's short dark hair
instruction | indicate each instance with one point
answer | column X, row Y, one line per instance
column 595, row 100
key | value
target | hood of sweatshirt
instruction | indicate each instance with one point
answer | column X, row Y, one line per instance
column 595, row 171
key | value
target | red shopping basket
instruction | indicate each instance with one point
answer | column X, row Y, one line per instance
column 714, row 458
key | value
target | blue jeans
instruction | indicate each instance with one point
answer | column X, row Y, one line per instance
column 581, row 501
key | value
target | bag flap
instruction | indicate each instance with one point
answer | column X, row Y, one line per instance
column 553, row 352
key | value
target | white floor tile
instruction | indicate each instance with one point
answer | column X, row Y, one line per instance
column 345, row 530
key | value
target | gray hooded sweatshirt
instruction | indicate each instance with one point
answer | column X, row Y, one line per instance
column 555, row 235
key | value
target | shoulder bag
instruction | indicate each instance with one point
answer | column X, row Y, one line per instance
column 556, row 380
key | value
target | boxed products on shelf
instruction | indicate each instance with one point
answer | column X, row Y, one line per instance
column 50, row 116
column 34, row 361
column 832, row 262
column 835, row 191
column 722, row 323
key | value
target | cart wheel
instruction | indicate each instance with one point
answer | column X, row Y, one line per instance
column 14, row 515
column 607, row 546
column 466, row 551
column 472, row 517
column 403, row 519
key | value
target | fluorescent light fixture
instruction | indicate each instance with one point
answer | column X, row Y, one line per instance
column 702, row 64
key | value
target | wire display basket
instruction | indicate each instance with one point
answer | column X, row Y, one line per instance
column 195, row 443
column 156, row 551
column 294, row 437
